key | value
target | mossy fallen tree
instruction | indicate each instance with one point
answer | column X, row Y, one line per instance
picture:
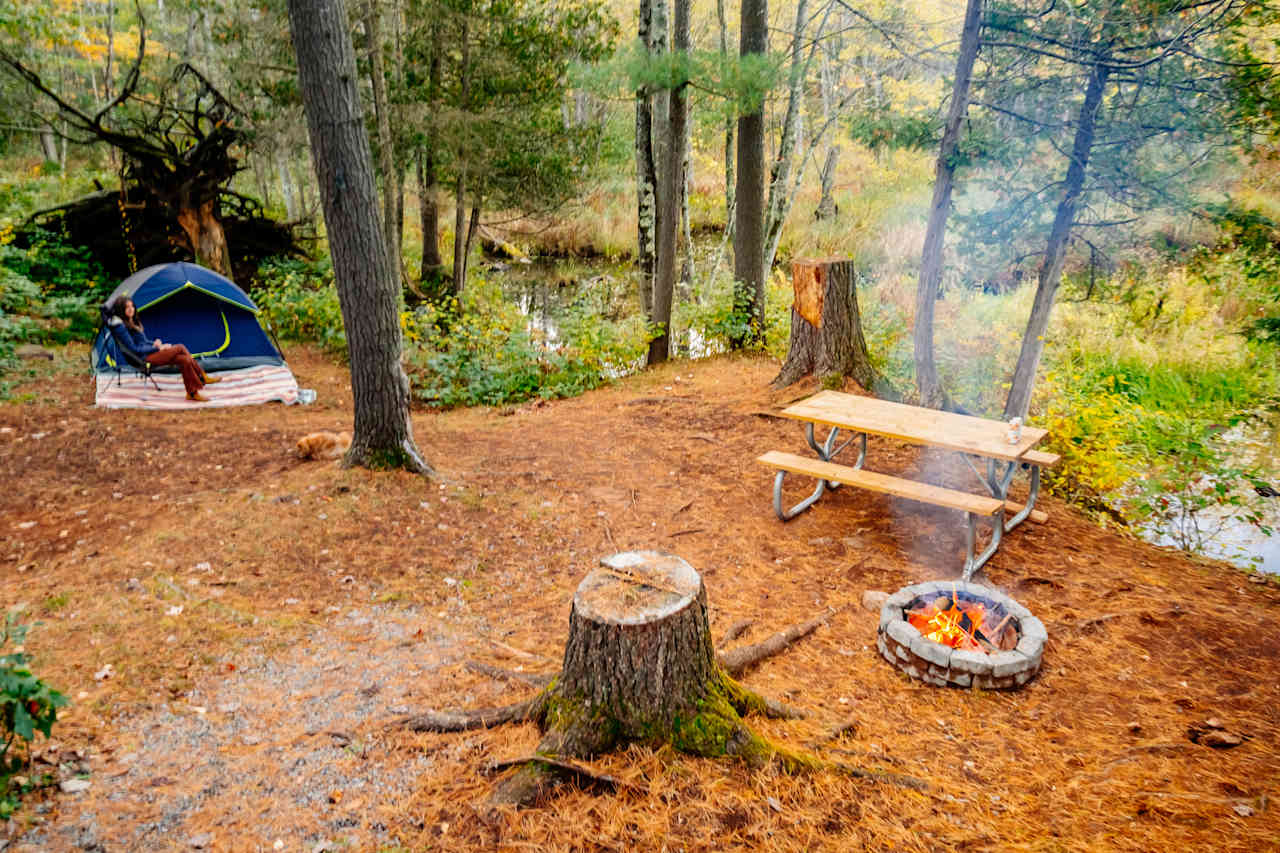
column 639, row 666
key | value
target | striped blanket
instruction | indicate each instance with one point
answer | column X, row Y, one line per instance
column 246, row 387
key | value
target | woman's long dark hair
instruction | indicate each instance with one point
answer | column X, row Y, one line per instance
column 117, row 308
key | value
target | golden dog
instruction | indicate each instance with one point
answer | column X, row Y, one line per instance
column 323, row 445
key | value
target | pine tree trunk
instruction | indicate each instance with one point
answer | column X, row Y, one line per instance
column 729, row 125
column 392, row 183
column 429, row 212
column 826, row 326
column 671, row 175
column 1024, row 375
column 748, row 224
column 428, row 180
column 935, row 234
column 368, row 289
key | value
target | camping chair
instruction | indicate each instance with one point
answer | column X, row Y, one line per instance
column 126, row 354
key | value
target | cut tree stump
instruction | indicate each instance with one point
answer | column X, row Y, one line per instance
column 639, row 666
column 826, row 327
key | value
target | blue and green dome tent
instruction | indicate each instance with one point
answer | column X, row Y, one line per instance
column 188, row 304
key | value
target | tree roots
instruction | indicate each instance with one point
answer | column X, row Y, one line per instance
column 712, row 727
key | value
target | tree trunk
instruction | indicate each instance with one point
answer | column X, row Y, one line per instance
column 386, row 146
column 935, row 234
column 428, row 180
column 429, row 212
column 748, row 221
column 286, row 187
column 827, row 177
column 460, row 190
column 49, row 144
column 671, row 175
column 685, row 279
column 473, row 225
column 460, row 231
column 781, row 191
column 108, row 78
column 208, row 241
column 1024, row 375
column 826, row 327
column 729, row 125
column 368, row 289
column 639, row 665
column 646, row 176
column 827, row 203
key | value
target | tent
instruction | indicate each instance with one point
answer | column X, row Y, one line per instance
column 215, row 319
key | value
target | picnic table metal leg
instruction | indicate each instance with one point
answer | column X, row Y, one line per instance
column 828, row 449
column 826, row 452
column 787, row 515
column 1031, row 500
column 997, row 482
column 973, row 563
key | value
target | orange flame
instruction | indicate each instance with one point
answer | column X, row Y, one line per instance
column 946, row 621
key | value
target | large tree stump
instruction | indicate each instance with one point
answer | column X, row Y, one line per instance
column 639, row 665
column 826, row 327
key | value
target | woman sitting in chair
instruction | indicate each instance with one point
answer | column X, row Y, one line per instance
column 128, row 333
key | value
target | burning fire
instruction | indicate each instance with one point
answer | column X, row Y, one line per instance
column 952, row 621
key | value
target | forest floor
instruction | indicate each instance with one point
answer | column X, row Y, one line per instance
column 236, row 629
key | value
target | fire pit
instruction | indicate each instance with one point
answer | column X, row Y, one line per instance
column 956, row 634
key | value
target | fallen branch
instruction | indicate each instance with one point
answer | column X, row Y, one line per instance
column 736, row 630
column 899, row 779
column 461, row 721
column 537, row 679
column 520, row 653
column 859, row 753
column 740, row 659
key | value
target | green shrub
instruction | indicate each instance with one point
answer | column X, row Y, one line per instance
column 299, row 301
column 27, row 706
column 480, row 351
column 717, row 317
column 55, row 265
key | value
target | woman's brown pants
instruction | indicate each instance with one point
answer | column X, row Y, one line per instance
column 191, row 372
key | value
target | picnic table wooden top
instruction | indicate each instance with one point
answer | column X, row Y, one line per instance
column 950, row 431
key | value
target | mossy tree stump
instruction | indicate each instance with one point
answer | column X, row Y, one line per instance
column 639, row 665
column 826, row 326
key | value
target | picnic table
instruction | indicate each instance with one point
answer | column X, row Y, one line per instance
column 1004, row 449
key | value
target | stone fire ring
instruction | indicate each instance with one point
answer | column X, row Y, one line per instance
column 942, row 666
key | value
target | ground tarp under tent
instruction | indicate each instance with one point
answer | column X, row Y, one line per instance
column 218, row 323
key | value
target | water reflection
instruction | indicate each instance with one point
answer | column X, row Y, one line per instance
column 1254, row 444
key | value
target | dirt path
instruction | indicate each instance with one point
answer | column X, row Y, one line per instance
column 264, row 618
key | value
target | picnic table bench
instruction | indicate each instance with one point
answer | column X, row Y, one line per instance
column 974, row 438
